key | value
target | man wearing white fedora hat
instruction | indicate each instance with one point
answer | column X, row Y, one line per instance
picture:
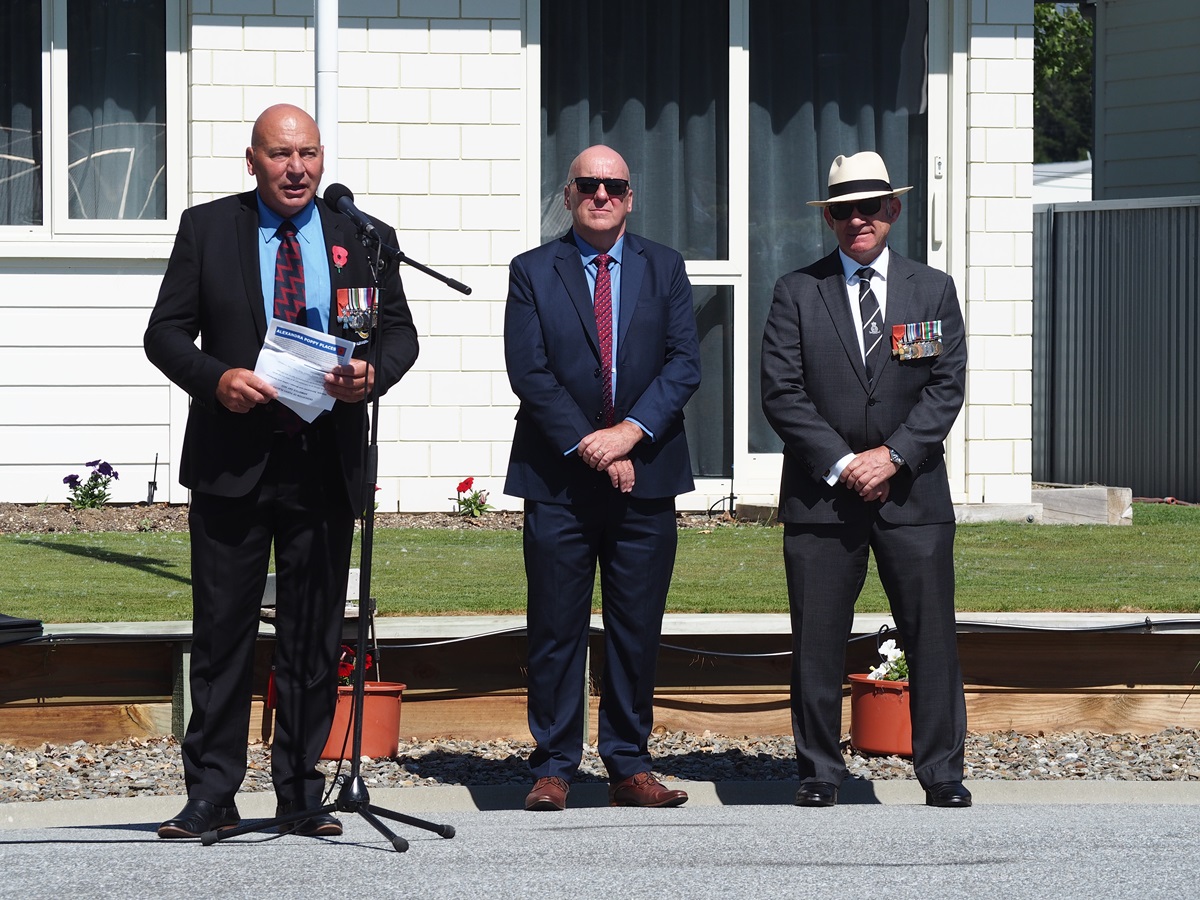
column 863, row 368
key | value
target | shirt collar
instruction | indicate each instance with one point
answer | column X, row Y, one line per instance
column 269, row 220
column 879, row 264
column 589, row 253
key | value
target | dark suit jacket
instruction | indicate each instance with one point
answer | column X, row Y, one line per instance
column 552, row 352
column 212, row 289
column 816, row 396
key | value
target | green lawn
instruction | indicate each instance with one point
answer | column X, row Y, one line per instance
column 1150, row 566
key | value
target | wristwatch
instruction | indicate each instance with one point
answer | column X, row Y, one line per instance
column 896, row 458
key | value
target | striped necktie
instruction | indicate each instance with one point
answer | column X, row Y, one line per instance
column 872, row 321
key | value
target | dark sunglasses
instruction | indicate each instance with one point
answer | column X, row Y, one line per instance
column 842, row 211
column 615, row 187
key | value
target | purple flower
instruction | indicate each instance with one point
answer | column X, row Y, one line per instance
column 72, row 480
column 106, row 470
column 94, row 462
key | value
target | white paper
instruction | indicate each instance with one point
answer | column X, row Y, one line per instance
column 294, row 360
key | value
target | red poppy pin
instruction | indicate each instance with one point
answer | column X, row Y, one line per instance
column 339, row 257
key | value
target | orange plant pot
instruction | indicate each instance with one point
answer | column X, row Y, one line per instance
column 381, row 721
column 879, row 716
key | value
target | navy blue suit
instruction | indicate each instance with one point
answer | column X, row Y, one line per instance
column 574, row 517
column 817, row 398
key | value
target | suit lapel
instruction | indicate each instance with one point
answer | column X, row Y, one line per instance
column 633, row 268
column 900, row 294
column 247, row 241
column 337, row 234
column 569, row 267
column 837, row 301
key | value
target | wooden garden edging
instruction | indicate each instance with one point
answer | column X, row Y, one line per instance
column 727, row 674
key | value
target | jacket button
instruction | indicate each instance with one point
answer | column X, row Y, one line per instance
column 596, row 374
column 599, row 417
column 872, row 402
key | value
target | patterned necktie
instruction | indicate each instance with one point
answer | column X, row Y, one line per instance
column 872, row 320
column 289, row 305
column 603, row 309
column 289, row 277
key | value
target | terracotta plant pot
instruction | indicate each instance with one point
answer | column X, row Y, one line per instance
column 381, row 721
column 879, row 716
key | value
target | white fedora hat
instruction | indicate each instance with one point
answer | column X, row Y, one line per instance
column 858, row 177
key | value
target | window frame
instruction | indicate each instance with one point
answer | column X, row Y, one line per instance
column 15, row 240
column 757, row 474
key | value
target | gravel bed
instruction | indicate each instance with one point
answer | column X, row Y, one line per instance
column 132, row 767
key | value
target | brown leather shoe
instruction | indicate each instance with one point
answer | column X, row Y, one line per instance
column 643, row 789
column 548, row 793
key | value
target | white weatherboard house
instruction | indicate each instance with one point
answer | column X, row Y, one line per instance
column 455, row 120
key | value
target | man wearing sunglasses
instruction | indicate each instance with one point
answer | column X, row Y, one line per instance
column 863, row 369
column 601, row 348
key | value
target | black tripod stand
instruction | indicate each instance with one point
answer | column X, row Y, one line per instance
column 353, row 796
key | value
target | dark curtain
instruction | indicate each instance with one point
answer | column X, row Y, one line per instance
column 651, row 80
column 21, row 112
column 827, row 79
column 116, row 98
column 708, row 417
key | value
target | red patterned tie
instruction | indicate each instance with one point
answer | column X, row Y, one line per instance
column 289, row 277
column 289, row 305
column 603, row 309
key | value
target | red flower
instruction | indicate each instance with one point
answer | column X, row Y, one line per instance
column 465, row 485
column 339, row 256
column 345, row 666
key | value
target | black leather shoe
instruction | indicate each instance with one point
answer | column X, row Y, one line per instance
column 948, row 794
column 817, row 793
column 320, row 825
column 197, row 817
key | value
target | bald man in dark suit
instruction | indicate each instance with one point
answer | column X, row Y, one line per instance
column 260, row 477
column 601, row 348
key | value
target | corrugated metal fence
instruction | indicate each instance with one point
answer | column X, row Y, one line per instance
column 1116, row 344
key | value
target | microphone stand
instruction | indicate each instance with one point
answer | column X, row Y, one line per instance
column 353, row 796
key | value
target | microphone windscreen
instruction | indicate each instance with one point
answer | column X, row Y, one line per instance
column 335, row 193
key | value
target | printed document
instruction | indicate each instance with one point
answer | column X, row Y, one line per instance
column 294, row 360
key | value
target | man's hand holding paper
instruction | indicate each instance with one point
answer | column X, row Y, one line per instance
column 309, row 369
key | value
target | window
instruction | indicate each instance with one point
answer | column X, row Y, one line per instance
column 652, row 81
column 21, row 113
column 103, row 126
column 826, row 79
column 656, row 81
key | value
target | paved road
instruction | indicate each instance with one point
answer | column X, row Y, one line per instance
column 1021, row 840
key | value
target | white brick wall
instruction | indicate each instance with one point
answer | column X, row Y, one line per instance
column 435, row 138
column 999, row 295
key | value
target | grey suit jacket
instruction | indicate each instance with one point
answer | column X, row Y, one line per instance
column 816, row 396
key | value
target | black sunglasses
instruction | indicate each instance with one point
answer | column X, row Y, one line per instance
column 615, row 187
column 842, row 211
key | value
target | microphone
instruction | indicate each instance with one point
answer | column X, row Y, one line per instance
column 341, row 198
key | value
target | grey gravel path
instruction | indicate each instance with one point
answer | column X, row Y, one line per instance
column 134, row 767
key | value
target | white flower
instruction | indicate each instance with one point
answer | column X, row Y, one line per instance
column 889, row 651
column 894, row 666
